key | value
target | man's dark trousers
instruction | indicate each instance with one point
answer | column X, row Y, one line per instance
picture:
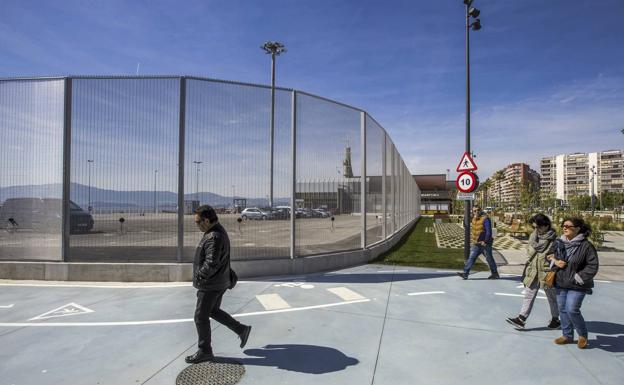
column 209, row 305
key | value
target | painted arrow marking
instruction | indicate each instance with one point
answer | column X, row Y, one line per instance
column 63, row 311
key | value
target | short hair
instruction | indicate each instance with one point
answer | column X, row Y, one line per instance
column 207, row 212
column 540, row 220
column 584, row 227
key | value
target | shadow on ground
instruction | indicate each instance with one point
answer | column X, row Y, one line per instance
column 309, row 359
column 612, row 342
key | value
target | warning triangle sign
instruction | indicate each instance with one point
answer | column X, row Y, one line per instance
column 63, row 311
column 466, row 163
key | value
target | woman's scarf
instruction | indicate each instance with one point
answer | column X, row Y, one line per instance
column 570, row 246
column 541, row 242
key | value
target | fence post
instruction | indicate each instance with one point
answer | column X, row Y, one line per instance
column 363, row 173
column 181, row 149
column 293, row 185
column 67, row 131
column 383, row 187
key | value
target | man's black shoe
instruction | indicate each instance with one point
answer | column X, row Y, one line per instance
column 198, row 357
column 463, row 275
column 554, row 323
column 244, row 336
column 494, row 276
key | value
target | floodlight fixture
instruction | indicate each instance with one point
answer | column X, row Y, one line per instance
column 273, row 48
column 476, row 25
column 474, row 12
column 468, row 2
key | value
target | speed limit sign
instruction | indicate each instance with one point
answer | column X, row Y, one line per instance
column 466, row 182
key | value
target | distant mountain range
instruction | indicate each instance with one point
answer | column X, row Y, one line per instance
column 113, row 199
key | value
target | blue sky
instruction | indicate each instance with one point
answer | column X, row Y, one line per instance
column 547, row 76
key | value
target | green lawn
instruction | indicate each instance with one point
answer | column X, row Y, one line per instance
column 419, row 248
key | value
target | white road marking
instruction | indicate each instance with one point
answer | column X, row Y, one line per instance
column 345, row 294
column 170, row 321
column 295, row 284
column 63, row 311
column 102, row 286
column 392, row 271
column 597, row 280
column 6, row 306
column 272, row 301
column 427, row 292
column 511, row 275
column 516, row 295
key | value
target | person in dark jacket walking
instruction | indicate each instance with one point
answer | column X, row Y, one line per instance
column 481, row 241
column 541, row 244
column 211, row 278
column 576, row 264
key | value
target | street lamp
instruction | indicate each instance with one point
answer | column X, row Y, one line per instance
column 274, row 49
column 155, row 173
column 593, row 175
column 89, row 208
column 197, row 163
column 471, row 12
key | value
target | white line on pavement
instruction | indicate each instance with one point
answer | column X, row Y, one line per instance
column 6, row 306
column 169, row 321
column 392, row 271
column 102, row 286
column 426, row 293
column 516, row 295
column 598, row 280
column 345, row 294
column 272, row 301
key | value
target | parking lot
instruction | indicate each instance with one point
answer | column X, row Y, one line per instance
column 153, row 237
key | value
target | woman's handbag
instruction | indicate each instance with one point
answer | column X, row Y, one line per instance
column 549, row 280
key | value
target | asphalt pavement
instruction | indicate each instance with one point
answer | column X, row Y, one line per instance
column 371, row 324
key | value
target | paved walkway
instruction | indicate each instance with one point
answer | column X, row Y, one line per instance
column 371, row 324
column 451, row 235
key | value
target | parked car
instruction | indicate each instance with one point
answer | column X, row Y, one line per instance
column 257, row 213
column 322, row 213
column 43, row 214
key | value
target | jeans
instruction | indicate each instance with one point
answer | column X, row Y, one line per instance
column 209, row 305
column 475, row 250
column 569, row 302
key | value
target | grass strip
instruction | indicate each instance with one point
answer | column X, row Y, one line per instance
column 418, row 248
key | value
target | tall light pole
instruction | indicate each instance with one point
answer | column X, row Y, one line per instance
column 593, row 175
column 89, row 208
column 274, row 49
column 475, row 26
column 155, row 173
column 197, row 163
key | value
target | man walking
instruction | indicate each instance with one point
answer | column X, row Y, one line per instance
column 481, row 242
column 211, row 277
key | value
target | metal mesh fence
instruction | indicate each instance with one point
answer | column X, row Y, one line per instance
column 141, row 154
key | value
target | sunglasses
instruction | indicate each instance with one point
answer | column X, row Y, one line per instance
column 567, row 226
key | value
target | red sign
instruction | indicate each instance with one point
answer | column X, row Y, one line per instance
column 466, row 163
column 466, row 182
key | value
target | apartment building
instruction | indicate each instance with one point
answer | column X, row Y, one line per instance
column 506, row 184
column 568, row 175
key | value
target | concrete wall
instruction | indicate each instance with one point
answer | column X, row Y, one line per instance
column 172, row 272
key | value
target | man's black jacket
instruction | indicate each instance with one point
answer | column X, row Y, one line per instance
column 211, row 267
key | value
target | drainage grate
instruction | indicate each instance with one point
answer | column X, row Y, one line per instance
column 219, row 372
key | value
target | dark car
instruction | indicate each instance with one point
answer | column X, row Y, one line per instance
column 43, row 214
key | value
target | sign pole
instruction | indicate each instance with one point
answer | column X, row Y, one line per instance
column 467, row 203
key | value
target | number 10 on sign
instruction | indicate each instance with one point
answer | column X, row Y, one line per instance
column 466, row 182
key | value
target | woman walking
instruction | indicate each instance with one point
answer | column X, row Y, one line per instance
column 577, row 264
column 541, row 244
